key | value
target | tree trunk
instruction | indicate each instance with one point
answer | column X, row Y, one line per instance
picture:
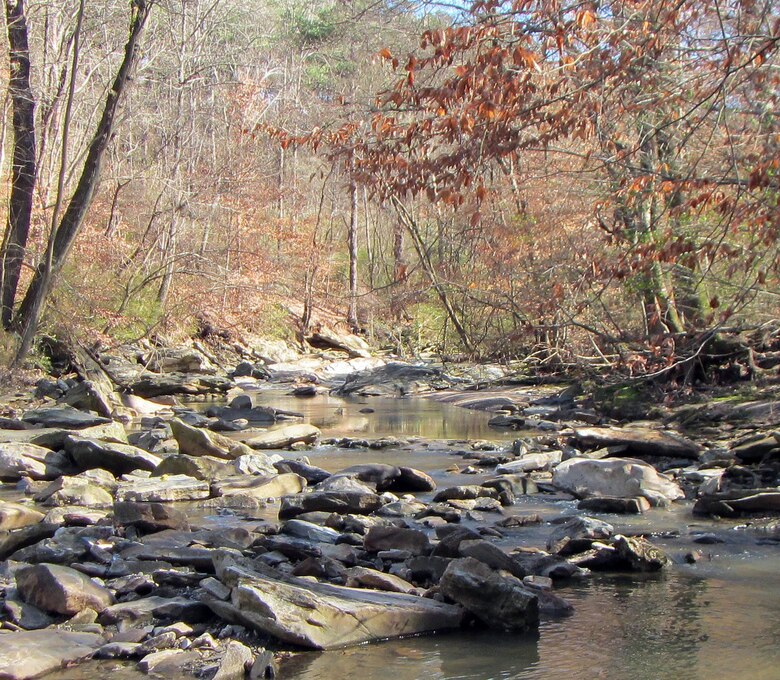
column 70, row 225
column 352, row 239
column 25, row 171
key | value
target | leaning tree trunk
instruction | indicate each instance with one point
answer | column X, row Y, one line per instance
column 25, row 170
column 62, row 239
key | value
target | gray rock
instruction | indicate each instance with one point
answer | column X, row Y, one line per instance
column 578, row 534
column 380, row 538
column 361, row 577
column 197, row 442
column 610, row 504
column 80, row 491
column 545, row 460
column 639, row 441
column 12, row 541
column 205, row 468
column 321, row 616
column 163, row 489
column 30, row 654
column 284, row 437
column 25, row 615
column 22, row 459
column 491, row 555
column 341, row 503
column 145, row 610
column 237, row 660
column 151, row 385
column 64, row 416
column 394, row 379
column 119, row 459
column 640, row 553
column 260, row 487
column 16, row 516
column 149, row 516
column 310, row 532
column 619, row 477
column 498, row 601
column 60, row 589
column 312, row 475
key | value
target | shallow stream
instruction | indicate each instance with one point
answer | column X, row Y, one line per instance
column 718, row 618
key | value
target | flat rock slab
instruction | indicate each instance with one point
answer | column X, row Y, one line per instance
column 284, row 437
column 54, row 437
column 197, row 442
column 321, row 616
column 30, row 654
column 260, row 487
column 64, row 416
column 639, row 441
column 24, row 459
column 163, row 489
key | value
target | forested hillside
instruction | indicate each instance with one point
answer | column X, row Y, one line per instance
column 577, row 182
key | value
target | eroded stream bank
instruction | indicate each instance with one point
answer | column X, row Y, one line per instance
column 206, row 549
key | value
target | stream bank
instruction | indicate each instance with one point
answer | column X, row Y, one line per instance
column 193, row 521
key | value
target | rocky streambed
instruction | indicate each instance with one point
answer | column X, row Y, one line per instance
column 221, row 539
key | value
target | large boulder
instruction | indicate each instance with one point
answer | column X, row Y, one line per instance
column 178, row 360
column 497, row 600
column 31, row 654
column 149, row 516
column 619, row 477
column 206, row 468
column 150, row 385
column 395, row 379
column 119, row 459
column 197, row 442
column 322, row 616
column 327, row 338
column 639, row 441
column 59, row 589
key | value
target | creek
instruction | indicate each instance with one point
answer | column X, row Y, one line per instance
column 717, row 618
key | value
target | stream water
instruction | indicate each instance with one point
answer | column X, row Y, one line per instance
column 718, row 618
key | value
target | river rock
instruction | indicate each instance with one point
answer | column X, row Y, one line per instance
column 60, row 589
column 757, row 447
column 16, row 516
column 499, row 601
column 86, row 491
column 491, row 555
column 12, row 541
column 343, row 503
column 198, row 442
column 284, row 437
column 611, row 504
column 323, row 616
column 380, row 538
column 259, row 487
column 150, row 385
column 63, row 416
column 257, row 464
column 234, row 664
column 737, row 502
column 163, row 489
column 620, row 477
column 639, row 441
column 146, row 609
column 21, row 459
column 327, row 338
column 578, row 534
column 640, row 553
column 343, row 484
column 118, row 459
column 149, row 516
column 31, row 654
column 395, row 379
column 25, row 615
column 310, row 531
column 545, row 460
column 312, row 474
column 413, row 480
column 205, row 468
column 177, row 360
column 362, row 577
column 465, row 492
